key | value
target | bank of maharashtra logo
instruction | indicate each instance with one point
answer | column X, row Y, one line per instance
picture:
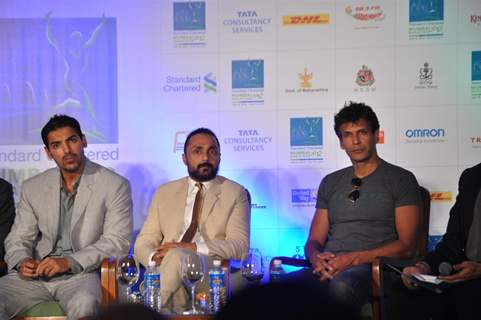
column 366, row 13
column 305, row 19
column 303, row 197
column 476, row 74
column 426, row 19
column 306, row 140
column 444, row 196
column 179, row 140
column 305, row 78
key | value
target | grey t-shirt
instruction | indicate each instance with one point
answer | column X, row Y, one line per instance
column 369, row 222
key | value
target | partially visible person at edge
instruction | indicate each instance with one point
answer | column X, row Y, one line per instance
column 459, row 250
column 69, row 218
column 7, row 213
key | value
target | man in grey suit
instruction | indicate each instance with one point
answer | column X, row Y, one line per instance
column 69, row 218
column 172, row 231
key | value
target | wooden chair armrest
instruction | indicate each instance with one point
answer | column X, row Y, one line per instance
column 108, row 282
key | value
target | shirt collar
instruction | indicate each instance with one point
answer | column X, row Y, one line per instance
column 192, row 182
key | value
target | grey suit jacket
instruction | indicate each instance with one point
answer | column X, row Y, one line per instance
column 101, row 223
column 224, row 222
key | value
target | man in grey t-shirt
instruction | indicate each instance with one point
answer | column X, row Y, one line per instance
column 367, row 210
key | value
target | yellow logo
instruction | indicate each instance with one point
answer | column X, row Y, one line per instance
column 305, row 19
column 305, row 77
column 442, row 196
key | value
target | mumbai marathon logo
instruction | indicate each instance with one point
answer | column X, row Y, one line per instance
column 366, row 14
column 425, row 75
column 247, row 82
column 248, row 140
column 475, row 142
column 247, row 22
column 303, row 197
column 179, row 140
column 189, row 24
column 365, row 80
column 190, row 84
column 445, row 196
column 476, row 74
column 431, row 135
column 305, row 84
column 426, row 19
column 306, row 140
column 305, row 19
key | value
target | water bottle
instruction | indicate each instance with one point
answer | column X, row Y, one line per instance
column 277, row 271
column 218, row 292
column 152, row 287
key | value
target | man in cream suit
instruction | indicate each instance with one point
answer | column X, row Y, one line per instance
column 69, row 218
column 223, row 225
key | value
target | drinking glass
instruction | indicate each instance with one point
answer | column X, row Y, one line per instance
column 252, row 266
column 193, row 269
column 128, row 274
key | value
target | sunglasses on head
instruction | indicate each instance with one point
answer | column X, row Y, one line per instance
column 355, row 193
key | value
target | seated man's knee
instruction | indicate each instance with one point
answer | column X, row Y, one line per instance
column 82, row 304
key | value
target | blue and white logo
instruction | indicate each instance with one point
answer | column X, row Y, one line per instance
column 303, row 197
column 476, row 66
column 189, row 16
column 306, row 132
column 247, row 74
column 423, row 10
column 210, row 83
column 425, row 135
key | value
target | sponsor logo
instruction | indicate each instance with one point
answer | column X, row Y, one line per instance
column 306, row 140
column 305, row 85
column 189, row 24
column 210, row 83
column 303, row 197
column 305, row 19
column 248, row 21
column 188, row 84
column 475, row 142
column 248, row 140
column 248, row 82
column 179, row 140
column 425, row 78
column 258, row 206
column 366, row 13
column 426, row 19
column 381, row 137
column 431, row 135
column 365, row 80
column 476, row 74
column 475, row 19
column 442, row 196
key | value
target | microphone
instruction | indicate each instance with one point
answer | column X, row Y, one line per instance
column 445, row 268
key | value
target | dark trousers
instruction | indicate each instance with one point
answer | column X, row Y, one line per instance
column 461, row 301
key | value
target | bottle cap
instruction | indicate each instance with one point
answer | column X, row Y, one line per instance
column 277, row 262
column 151, row 263
column 216, row 263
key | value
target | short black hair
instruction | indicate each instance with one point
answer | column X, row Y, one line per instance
column 58, row 121
column 353, row 112
column 200, row 131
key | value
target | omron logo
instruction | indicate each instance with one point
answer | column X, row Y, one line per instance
column 424, row 133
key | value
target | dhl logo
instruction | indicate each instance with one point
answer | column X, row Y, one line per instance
column 305, row 19
column 442, row 196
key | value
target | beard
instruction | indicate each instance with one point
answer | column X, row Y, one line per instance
column 200, row 174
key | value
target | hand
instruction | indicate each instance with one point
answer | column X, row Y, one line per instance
column 342, row 262
column 50, row 267
column 466, row 270
column 320, row 264
column 28, row 268
column 162, row 250
column 418, row 268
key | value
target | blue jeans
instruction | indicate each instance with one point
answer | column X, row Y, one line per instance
column 350, row 289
